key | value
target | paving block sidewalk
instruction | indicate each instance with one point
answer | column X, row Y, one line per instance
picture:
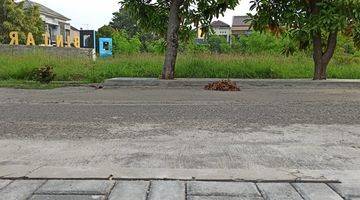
column 42, row 189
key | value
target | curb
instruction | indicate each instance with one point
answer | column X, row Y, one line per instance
column 117, row 173
column 243, row 83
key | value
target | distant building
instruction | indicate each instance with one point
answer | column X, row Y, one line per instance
column 240, row 25
column 222, row 29
column 74, row 32
column 55, row 23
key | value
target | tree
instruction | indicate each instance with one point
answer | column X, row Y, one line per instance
column 173, row 19
column 18, row 17
column 321, row 20
column 11, row 18
column 33, row 22
column 122, row 20
column 105, row 31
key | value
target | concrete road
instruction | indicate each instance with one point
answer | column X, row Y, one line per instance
column 310, row 129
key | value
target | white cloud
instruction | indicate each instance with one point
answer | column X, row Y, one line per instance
column 87, row 14
column 92, row 14
column 241, row 9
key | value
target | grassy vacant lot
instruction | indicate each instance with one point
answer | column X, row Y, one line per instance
column 189, row 66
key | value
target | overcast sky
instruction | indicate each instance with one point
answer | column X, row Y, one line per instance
column 92, row 14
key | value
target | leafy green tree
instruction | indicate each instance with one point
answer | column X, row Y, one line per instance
column 321, row 20
column 11, row 18
column 16, row 17
column 105, row 31
column 122, row 20
column 33, row 22
column 173, row 18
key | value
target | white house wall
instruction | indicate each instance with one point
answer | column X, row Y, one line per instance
column 223, row 32
column 48, row 20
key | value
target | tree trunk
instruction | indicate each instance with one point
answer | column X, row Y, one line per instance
column 318, row 53
column 172, row 40
column 322, row 59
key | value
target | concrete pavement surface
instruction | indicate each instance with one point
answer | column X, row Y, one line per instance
column 286, row 129
column 165, row 190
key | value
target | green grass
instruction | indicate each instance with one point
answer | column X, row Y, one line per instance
column 266, row 66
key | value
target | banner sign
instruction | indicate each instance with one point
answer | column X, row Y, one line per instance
column 14, row 40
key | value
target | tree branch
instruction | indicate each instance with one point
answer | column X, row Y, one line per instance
column 331, row 46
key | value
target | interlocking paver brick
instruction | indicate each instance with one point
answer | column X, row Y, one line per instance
column 173, row 190
column 20, row 189
column 222, row 198
column 278, row 191
column 4, row 183
column 134, row 190
column 316, row 191
column 94, row 187
column 68, row 197
column 223, row 189
column 167, row 190
column 347, row 190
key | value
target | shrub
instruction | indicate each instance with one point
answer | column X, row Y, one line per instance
column 198, row 48
column 261, row 42
column 44, row 74
column 123, row 44
column 236, row 44
column 157, row 46
column 289, row 46
column 218, row 44
column 346, row 45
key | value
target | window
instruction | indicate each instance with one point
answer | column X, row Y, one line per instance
column 87, row 40
column 106, row 46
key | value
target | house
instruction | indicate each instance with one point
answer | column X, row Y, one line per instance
column 240, row 25
column 55, row 23
column 217, row 28
column 222, row 29
column 74, row 32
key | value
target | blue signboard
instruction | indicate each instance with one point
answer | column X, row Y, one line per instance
column 105, row 47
